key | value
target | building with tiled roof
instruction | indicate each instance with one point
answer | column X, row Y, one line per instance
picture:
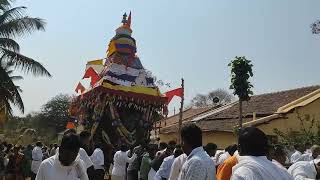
column 173, row 121
column 266, row 111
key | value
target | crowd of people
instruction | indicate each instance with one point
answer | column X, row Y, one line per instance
column 252, row 158
column 18, row 162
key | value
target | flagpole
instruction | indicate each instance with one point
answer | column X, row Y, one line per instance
column 181, row 111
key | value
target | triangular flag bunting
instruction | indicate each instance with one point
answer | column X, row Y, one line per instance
column 91, row 73
column 97, row 65
column 80, row 88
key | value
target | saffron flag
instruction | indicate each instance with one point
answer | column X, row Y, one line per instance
column 80, row 88
column 172, row 93
column 91, row 73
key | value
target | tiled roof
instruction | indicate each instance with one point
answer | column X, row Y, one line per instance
column 187, row 115
column 263, row 105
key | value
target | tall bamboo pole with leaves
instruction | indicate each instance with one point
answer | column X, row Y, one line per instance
column 241, row 71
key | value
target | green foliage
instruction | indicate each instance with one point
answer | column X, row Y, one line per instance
column 9, row 92
column 51, row 120
column 56, row 111
column 241, row 71
column 309, row 131
column 15, row 24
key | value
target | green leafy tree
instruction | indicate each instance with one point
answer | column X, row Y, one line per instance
column 241, row 71
column 51, row 120
column 55, row 112
column 15, row 24
column 9, row 92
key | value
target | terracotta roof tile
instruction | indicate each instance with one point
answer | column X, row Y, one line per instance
column 263, row 105
column 187, row 115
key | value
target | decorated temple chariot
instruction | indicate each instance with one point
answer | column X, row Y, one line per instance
column 122, row 101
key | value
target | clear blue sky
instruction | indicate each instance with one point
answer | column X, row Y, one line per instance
column 177, row 38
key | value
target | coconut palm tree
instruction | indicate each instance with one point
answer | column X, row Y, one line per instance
column 9, row 92
column 14, row 23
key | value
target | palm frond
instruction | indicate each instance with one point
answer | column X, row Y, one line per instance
column 12, row 95
column 19, row 89
column 21, row 26
column 9, row 93
column 5, row 4
column 9, row 44
column 25, row 63
column 6, row 107
column 12, row 14
column 16, row 78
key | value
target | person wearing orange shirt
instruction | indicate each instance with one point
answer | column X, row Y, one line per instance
column 224, row 171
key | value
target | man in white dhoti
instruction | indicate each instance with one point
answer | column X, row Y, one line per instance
column 66, row 164
column 36, row 159
column 253, row 163
column 305, row 170
column 315, row 152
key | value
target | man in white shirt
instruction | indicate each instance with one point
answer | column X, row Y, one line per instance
column 222, row 157
column 97, row 159
column 253, row 163
column 85, row 138
column 297, row 154
column 165, row 168
column 82, row 153
column 120, row 161
column 84, row 157
column 217, row 156
column 177, row 166
column 304, row 170
column 36, row 159
column 66, row 164
column 315, row 152
column 157, row 161
column 229, row 151
column 199, row 165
